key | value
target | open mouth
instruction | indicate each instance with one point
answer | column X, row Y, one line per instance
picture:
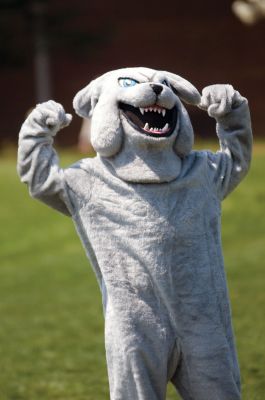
column 153, row 121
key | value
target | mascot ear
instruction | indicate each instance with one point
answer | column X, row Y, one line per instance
column 189, row 94
column 86, row 99
column 185, row 138
column 183, row 89
column 106, row 132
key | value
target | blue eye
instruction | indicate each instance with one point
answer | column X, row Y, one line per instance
column 127, row 82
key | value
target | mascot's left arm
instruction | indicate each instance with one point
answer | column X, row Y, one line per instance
column 38, row 161
column 228, row 166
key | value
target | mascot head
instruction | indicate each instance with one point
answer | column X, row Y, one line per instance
column 139, row 124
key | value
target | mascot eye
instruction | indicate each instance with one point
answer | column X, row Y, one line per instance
column 127, row 82
column 165, row 82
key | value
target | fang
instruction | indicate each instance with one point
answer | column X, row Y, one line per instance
column 165, row 128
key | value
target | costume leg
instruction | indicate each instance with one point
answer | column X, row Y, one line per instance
column 207, row 370
column 137, row 362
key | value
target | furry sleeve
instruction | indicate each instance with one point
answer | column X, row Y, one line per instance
column 38, row 164
column 230, row 164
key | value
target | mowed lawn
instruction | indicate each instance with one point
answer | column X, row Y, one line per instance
column 51, row 324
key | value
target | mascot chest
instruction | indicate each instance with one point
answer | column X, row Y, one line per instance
column 164, row 211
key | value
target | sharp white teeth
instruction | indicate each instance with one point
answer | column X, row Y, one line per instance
column 146, row 127
column 165, row 128
column 153, row 109
column 151, row 129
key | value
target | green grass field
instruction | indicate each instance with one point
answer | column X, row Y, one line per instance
column 51, row 325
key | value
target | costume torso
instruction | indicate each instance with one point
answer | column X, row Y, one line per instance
column 159, row 242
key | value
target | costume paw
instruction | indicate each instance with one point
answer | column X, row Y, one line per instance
column 51, row 116
column 219, row 100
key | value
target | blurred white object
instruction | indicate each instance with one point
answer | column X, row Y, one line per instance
column 249, row 11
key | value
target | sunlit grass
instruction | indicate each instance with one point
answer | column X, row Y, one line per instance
column 51, row 324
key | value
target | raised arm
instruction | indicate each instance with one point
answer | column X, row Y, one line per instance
column 37, row 160
column 230, row 164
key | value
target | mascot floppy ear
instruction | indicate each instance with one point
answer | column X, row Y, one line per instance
column 189, row 94
column 183, row 89
column 93, row 101
column 86, row 99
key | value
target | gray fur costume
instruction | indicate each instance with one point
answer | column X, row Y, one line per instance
column 147, row 209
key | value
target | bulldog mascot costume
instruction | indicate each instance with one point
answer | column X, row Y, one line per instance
column 147, row 210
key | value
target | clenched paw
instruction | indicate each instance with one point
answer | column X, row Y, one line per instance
column 51, row 116
column 219, row 100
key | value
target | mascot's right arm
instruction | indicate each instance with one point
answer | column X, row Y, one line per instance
column 38, row 161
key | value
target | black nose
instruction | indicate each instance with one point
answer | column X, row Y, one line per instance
column 156, row 88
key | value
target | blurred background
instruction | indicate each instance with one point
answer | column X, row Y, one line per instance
column 51, row 324
column 51, row 49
